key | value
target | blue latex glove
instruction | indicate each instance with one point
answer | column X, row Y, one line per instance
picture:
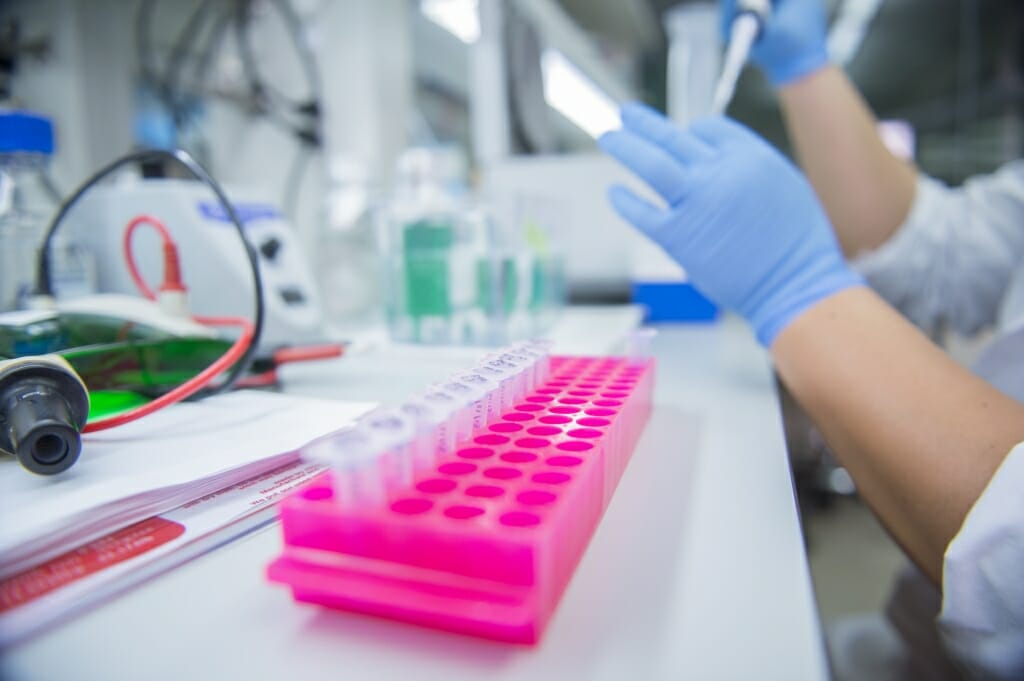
column 792, row 43
column 741, row 219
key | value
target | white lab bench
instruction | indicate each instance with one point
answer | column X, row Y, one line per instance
column 697, row 570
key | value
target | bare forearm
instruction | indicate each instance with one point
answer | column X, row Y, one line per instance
column 920, row 435
column 867, row 192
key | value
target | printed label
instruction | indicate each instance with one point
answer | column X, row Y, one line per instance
column 96, row 556
column 246, row 212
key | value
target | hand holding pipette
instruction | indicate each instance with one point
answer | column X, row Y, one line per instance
column 785, row 38
column 744, row 29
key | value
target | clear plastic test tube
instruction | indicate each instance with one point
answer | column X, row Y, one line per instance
column 486, row 396
column 435, row 431
column 536, row 361
column 467, row 399
column 638, row 345
column 392, row 435
column 505, row 375
column 518, row 367
column 355, row 471
column 526, row 362
column 543, row 347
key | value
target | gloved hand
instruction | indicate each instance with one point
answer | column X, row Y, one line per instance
column 793, row 42
column 741, row 220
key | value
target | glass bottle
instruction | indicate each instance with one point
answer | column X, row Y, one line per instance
column 430, row 240
column 26, row 145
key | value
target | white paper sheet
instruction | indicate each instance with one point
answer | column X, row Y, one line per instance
column 153, row 465
column 75, row 581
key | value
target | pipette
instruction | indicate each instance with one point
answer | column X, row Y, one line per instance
column 751, row 16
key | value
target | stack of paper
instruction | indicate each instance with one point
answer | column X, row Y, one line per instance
column 56, row 590
column 159, row 463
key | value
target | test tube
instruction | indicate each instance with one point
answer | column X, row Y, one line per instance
column 468, row 400
column 524, row 365
column 638, row 345
column 458, row 410
column 505, row 381
column 505, row 375
column 435, row 432
column 486, row 397
column 535, row 359
column 393, row 435
column 354, row 467
column 527, row 364
column 543, row 347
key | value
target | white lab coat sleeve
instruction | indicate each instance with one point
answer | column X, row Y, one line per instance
column 982, row 616
column 950, row 262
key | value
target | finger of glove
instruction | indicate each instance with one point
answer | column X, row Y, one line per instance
column 638, row 212
column 794, row 41
column 718, row 131
column 650, row 162
column 802, row 20
column 654, row 127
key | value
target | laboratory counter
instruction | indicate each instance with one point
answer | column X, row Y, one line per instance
column 696, row 571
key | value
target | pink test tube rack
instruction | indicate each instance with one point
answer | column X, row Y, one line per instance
column 485, row 543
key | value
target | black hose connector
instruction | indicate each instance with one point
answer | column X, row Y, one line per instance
column 43, row 408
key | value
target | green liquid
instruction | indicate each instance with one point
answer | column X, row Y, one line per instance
column 122, row 364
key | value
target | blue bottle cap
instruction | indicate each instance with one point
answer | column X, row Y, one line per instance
column 25, row 131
